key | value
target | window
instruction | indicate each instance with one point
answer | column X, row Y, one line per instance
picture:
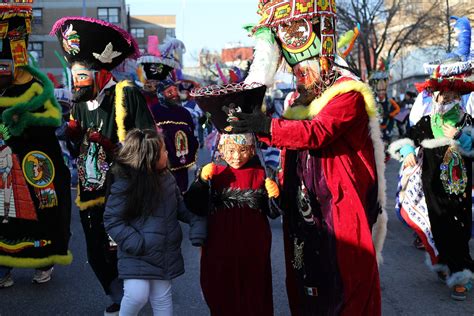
column 137, row 32
column 170, row 33
column 37, row 16
column 36, row 47
column 111, row 15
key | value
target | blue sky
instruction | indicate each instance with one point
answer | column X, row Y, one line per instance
column 203, row 23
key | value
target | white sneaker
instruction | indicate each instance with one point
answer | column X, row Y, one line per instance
column 6, row 281
column 42, row 276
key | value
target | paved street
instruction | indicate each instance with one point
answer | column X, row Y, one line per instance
column 408, row 287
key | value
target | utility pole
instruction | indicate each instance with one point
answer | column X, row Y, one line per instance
column 448, row 24
column 84, row 11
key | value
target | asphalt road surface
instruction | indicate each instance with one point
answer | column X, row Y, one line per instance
column 408, row 288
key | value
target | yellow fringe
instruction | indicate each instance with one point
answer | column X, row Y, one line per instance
column 16, row 262
column 308, row 112
column 34, row 90
column 120, row 111
column 88, row 204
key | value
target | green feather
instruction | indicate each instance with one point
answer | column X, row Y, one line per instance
column 262, row 33
column 25, row 110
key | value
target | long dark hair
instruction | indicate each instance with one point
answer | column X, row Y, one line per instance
column 137, row 161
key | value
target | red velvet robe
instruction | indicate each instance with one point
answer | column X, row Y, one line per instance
column 333, row 155
column 236, row 276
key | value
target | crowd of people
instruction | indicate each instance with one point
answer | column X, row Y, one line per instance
column 130, row 145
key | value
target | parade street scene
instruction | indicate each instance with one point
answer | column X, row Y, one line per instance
column 236, row 158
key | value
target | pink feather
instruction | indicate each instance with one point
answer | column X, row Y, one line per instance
column 153, row 43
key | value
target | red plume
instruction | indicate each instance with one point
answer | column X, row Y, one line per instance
column 53, row 79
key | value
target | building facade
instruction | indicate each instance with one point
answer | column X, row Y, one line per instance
column 45, row 13
column 142, row 26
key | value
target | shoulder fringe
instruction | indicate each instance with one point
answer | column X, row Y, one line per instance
column 88, row 204
column 37, row 106
column 120, row 110
column 445, row 141
column 308, row 112
column 302, row 113
column 394, row 148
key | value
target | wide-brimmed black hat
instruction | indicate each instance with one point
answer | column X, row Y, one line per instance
column 98, row 43
column 222, row 101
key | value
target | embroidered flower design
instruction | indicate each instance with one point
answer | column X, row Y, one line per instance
column 71, row 41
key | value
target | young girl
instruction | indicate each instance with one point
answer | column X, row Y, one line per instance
column 141, row 215
column 236, row 276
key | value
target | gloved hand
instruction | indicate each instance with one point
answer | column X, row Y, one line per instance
column 256, row 122
column 272, row 188
column 74, row 130
column 97, row 137
column 208, row 171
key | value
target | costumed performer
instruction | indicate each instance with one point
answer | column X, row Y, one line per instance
column 436, row 183
column 35, row 195
column 333, row 185
column 103, row 113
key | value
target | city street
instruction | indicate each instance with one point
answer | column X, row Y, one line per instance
column 408, row 288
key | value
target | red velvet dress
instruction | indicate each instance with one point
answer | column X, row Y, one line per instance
column 236, row 276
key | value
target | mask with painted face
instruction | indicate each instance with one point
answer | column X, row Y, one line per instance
column 84, row 84
column 155, row 71
column 6, row 73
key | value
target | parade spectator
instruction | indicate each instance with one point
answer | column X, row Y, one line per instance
column 402, row 117
column 105, row 110
column 142, row 213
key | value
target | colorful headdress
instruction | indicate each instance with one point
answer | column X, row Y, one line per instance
column 457, row 61
column 379, row 78
column 166, row 54
column 15, row 27
column 454, row 71
column 303, row 28
column 222, row 101
column 101, row 44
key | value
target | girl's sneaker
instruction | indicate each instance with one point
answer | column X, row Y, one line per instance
column 459, row 292
column 6, row 281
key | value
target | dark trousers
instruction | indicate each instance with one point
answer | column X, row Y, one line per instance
column 102, row 258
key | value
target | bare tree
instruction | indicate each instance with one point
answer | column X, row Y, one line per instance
column 388, row 26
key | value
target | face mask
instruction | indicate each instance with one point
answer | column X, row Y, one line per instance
column 156, row 71
column 83, row 94
column 6, row 73
column 83, row 79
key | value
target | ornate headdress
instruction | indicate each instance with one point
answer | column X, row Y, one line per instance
column 96, row 42
column 454, row 71
column 379, row 78
column 303, row 28
column 15, row 27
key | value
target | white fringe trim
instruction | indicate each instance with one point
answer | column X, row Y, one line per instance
column 459, row 278
column 394, row 148
column 379, row 231
column 435, row 267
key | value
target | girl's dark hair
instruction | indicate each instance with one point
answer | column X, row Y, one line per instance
column 137, row 161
